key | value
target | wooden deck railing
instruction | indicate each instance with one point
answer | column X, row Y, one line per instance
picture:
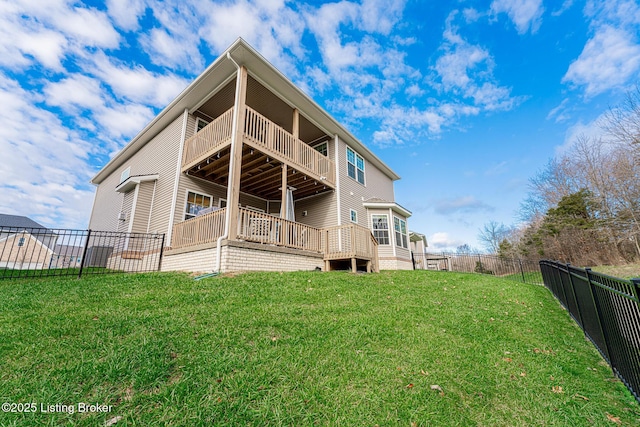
column 201, row 229
column 268, row 137
column 341, row 242
column 264, row 228
column 350, row 241
column 213, row 136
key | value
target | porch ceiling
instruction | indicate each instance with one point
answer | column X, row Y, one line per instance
column 261, row 175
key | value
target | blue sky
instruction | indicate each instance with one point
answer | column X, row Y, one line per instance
column 466, row 100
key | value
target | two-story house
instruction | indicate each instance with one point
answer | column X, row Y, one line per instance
column 244, row 171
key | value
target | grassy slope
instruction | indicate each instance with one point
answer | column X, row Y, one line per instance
column 302, row 349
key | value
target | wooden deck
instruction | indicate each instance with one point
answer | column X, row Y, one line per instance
column 351, row 243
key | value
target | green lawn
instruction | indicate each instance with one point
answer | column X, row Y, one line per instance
column 396, row 348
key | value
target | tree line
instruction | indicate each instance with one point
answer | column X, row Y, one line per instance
column 583, row 207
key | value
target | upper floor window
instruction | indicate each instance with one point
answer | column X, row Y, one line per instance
column 21, row 241
column 200, row 124
column 354, row 216
column 322, row 148
column 195, row 203
column 400, row 227
column 380, row 226
column 125, row 174
column 355, row 166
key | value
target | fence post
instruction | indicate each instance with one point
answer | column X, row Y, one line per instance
column 161, row 253
column 84, row 253
column 596, row 304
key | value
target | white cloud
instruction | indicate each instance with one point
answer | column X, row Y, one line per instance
column 466, row 70
column 75, row 91
column 443, row 241
column 525, row 14
column 270, row 26
column 609, row 59
column 136, row 84
column 124, row 121
column 126, row 13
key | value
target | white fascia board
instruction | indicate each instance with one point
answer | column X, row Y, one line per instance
column 388, row 205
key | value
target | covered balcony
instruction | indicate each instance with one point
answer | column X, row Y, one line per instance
column 273, row 135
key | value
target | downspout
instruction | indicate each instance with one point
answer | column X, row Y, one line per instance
column 337, row 157
column 234, row 133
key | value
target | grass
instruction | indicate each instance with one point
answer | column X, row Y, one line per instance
column 396, row 348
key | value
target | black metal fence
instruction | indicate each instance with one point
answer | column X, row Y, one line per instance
column 40, row 252
column 526, row 271
column 607, row 310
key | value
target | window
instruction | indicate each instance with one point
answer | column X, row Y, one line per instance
column 222, row 203
column 200, row 124
column 354, row 216
column 21, row 241
column 322, row 148
column 125, row 174
column 380, row 228
column 195, row 203
column 400, row 227
column 355, row 166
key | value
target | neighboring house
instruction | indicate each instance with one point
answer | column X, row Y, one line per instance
column 25, row 244
column 243, row 171
column 419, row 250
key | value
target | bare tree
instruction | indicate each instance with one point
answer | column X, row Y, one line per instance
column 492, row 234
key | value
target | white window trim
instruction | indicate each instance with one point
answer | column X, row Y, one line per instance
column 186, row 200
column 388, row 228
column 199, row 119
column 406, row 233
column 315, row 147
column 353, row 213
column 220, row 200
column 125, row 174
column 364, row 175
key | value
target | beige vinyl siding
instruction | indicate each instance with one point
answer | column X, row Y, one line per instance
column 158, row 156
column 143, row 207
column 377, row 184
column 106, row 207
column 321, row 210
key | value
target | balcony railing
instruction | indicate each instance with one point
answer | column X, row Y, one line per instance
column 341, row 242
column 268, row 137
column 210, row 139
column 264, row 135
